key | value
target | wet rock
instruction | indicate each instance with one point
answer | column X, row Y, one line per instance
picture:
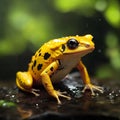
column 81, row 106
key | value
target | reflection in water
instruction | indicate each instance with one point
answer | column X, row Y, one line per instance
column 24, row 113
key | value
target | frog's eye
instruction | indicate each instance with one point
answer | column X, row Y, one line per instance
column 72, row 43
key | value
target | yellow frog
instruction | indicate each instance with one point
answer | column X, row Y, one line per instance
column 53, row 61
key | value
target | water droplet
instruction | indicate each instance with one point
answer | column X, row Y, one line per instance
column 99, row 50
column 37, row 105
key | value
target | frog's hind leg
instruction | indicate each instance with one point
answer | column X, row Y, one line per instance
column 24, row 81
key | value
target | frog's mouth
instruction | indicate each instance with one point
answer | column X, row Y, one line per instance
column 81, row 52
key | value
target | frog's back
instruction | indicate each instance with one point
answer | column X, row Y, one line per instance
column 44, row 56
column 39, row 62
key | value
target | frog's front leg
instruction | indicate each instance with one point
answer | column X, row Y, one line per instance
column 85, row 77
column 24, row 81
column 46, row 81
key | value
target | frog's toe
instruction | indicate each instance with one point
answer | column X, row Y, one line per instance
column 34, row 91
column 61, row 94
column 93, row 88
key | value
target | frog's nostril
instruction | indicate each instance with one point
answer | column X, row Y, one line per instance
column 87, row 45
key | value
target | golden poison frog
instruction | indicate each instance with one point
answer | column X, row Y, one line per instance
column 53, row 61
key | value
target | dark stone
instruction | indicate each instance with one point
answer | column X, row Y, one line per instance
column 82, row 106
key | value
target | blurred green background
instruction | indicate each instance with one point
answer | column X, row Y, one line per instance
column 26, row 24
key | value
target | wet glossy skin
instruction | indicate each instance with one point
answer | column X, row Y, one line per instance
column 53, row 61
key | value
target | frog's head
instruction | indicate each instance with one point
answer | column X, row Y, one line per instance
column 72, row 45
column 77, row 44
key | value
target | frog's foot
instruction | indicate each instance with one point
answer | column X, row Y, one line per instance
column 34, row 91
column 61, row 94
column 93, row 88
